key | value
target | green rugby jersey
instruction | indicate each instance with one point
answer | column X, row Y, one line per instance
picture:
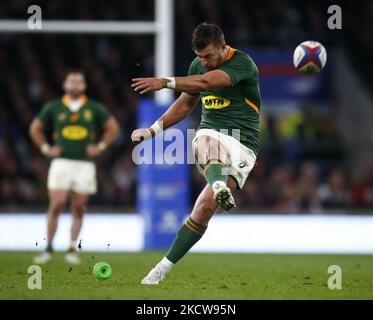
column 74, row 130
column 234, row 107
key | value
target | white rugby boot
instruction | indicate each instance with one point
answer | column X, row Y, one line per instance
column 72, row 257
column 223, row 195
column 43, row 258
column 155, row 276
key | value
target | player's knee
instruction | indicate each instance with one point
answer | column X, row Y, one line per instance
column 201, row 149
column 57, row 204
column 206, row 148
column 78, row 209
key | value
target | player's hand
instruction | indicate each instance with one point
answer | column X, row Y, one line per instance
column 54, row 151
column 144, row 85
column 140, row 135
column 93, row 151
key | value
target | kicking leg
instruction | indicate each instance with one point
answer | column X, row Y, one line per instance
column 188, row 235
column 212, row 157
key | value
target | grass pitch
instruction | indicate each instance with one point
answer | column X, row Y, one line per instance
column 196, row 276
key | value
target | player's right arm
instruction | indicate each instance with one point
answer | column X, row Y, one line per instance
column 37, row 135
column 174, row 114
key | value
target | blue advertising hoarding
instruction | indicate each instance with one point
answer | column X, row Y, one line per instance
column 162, row 188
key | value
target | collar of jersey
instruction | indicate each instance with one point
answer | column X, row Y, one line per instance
column 66, row 100
column 230, row 54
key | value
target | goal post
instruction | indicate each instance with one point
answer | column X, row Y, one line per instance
column 162, row 28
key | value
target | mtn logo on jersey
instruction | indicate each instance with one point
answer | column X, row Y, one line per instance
column 213, row 102
column 74, row 132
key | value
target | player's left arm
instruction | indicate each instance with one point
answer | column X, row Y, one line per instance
column 111, row 131
column 110, row 134
column 189, row 84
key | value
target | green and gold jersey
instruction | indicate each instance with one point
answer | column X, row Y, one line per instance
column 234, row 107
column 74, row 130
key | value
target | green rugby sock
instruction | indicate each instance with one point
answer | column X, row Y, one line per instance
column 186, row 238
column 214, row 172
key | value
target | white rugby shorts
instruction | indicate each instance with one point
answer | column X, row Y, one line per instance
column 239, row 161
column 76, row 175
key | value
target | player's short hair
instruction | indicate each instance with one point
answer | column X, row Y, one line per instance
column 74, row 71
column 206, row 34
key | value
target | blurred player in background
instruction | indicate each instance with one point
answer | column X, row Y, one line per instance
column 227, row 82
column 74, row 119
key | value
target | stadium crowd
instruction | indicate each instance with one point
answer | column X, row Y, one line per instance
column 296, row 173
